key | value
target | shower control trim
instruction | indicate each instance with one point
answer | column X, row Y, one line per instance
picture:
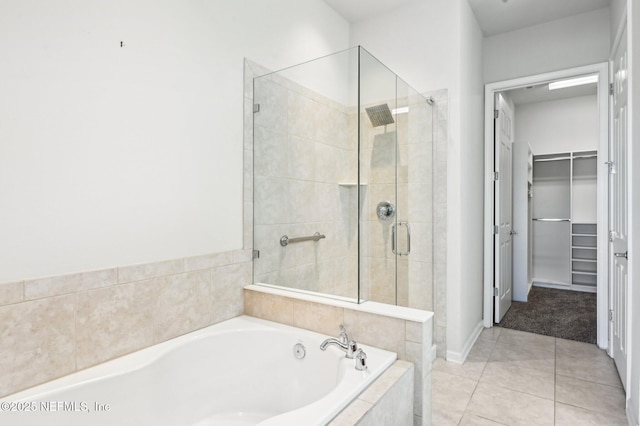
column 386, row 210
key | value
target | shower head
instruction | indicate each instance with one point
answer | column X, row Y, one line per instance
column 380, row 115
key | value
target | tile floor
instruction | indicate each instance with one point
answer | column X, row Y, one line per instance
column 517, row 378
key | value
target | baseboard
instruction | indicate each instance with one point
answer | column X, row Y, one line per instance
column 631, row 418
column 433, row 354
column 460, row 357
column 570, row 287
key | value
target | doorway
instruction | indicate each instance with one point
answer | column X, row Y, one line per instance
column 556, row 219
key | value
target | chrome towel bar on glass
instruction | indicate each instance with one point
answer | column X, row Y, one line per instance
column 286, row 240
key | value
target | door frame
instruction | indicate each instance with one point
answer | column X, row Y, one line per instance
column 602, row 69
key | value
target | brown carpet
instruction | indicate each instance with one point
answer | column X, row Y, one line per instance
column 558, row 313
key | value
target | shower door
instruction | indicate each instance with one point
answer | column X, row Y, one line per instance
column 395, row 196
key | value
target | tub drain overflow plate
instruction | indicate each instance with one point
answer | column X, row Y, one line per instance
column 299, row 351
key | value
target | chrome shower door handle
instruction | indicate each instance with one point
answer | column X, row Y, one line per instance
column 393, row 238
column 408, row 239
column 406, row 224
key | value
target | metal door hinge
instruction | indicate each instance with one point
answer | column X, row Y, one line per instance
column 255, row 254
column 496, row 114
column 611, row 89
column 256, row 108
column 610, row 315
column 496, row 176
column 496, row 229
column 611, row 166
column 496, row 291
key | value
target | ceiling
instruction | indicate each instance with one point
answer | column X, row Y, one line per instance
column 359, row 10
column 494, row 16
column 500, row 16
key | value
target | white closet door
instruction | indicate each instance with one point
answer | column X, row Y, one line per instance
column 503, row 255
column 618, row 215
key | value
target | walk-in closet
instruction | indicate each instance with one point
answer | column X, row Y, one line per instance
column 564, row 216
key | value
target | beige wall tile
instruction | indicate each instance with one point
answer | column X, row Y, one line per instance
column 181, row 304
column 41, row 343
column 395, row 407
column 269, row 307
column 11, row 292
column 352, row 414
column 114, row 321
column 51, row 286
column 71, row 283
column 375, row 330
column 317, row 317
column 377, row 390
column 36, row 342
column 226, row 295
column 414, row 331
column 147, row 271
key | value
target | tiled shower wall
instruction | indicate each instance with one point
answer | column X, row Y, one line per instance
column 402, row 175
column 301, row 162
column 441, row 140
column 58, row 325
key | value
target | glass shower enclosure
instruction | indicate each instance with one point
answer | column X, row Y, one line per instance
column 342, row 181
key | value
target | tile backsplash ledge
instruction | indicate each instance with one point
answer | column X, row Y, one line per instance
column 54, row 326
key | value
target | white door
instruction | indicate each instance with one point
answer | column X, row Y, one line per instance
column 618, row 235
column 503, row 256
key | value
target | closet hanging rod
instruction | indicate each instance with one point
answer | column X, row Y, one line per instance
column 551, row 159
column 587, row 156
column 544, row 219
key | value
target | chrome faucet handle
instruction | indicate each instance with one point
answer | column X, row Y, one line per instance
column 344, row 337
column 352, row 349
column 361, row 360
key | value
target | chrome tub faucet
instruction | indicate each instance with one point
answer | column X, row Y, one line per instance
column 349, row 347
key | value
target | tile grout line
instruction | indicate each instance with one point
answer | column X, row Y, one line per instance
column 475, row 388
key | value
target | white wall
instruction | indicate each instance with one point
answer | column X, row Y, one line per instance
column 466, row 262
column 437, row 44
column 565, row 43
column 115, row 155
column 618, row 8
column 410, row 40
column 559, row 126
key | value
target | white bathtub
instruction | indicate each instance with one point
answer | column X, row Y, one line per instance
column 238, row 372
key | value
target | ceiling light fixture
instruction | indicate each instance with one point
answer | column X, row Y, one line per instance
column 401, row 110
column 579, row 81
